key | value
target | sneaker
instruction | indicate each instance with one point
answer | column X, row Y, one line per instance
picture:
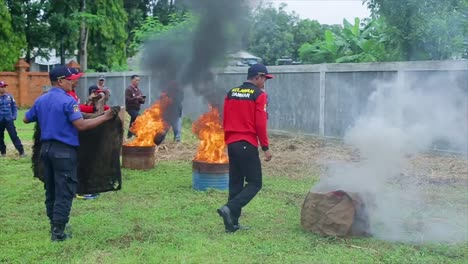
column 23, row 155
column 87, row 196
column 3, row 154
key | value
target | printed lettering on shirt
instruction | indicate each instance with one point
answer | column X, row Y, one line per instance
column 242, row 92
column 241, row 95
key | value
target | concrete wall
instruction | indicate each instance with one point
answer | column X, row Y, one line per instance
column 310, row 99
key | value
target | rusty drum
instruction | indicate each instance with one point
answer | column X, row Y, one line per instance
column 138, row 158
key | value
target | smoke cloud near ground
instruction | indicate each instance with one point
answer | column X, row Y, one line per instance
column 185, row 57
column 401, row 120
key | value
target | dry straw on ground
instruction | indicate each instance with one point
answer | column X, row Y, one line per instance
column 299, row 156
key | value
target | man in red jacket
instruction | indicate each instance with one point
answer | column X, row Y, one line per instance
column 245, row 124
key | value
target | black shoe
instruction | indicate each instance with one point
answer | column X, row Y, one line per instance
column 225, row 213
column 61, row 232
column 67, row 230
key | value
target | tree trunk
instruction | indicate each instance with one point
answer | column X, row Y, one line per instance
column 83, row 53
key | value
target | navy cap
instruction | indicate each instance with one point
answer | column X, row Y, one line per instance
column 3, row 84
column 259, row 69
column 101, row 78
column 62, row 72
column 75, row 71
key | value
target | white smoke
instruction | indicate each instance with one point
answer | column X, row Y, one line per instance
column 400, row 121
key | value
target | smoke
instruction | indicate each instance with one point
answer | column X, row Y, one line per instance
column 401, row 120
column 185, row 56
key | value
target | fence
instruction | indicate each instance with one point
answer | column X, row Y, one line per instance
column 320, row 99
column 25, row 86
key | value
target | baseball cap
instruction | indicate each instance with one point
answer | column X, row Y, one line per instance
column 3, row 84
column 92, row 88
column 259, row 69
column 62, row 72
column 101, row 77
column 76, row 72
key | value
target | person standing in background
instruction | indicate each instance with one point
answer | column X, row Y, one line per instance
column 134, row 98
column 8, row 114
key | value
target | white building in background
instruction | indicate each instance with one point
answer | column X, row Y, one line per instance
column 242, row 58
column 43, row 64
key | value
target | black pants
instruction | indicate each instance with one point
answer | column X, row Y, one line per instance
column 133, row 115
column 10, row 127
column 244, row 165
column 60, row 164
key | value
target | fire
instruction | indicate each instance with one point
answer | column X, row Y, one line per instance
column 150, row 123
column 209, row 130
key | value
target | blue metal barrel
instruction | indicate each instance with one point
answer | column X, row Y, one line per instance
column 204, row 181
column 210, row 176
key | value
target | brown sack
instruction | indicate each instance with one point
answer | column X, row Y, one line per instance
column 335, row 214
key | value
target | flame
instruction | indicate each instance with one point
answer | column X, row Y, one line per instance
column 209, row 130
column 150, row 123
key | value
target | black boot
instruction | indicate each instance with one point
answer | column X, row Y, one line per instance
column 225, row 213
column 59, row 233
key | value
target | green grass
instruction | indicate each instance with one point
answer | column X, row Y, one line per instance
column 158, row 218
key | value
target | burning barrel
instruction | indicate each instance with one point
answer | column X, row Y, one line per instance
column 210, row 175
column 138, row 157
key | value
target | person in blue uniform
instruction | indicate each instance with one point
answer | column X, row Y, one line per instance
column 60, row 119
column 8, row 113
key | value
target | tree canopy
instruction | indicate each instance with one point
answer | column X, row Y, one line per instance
column 103, row 34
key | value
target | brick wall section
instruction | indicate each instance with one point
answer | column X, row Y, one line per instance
column 25, row 86
column 35, row 86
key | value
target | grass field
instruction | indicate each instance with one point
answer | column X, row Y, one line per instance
column 158, row 218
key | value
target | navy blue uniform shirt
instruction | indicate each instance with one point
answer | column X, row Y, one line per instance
column 56, row 110
column 8, row 110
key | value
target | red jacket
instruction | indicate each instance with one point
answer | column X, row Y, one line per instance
column 245, row 116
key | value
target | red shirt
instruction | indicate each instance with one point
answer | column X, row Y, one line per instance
column 245, row 116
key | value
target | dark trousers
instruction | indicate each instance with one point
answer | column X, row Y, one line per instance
column 244, row 165
column 133, row 115
column 11, row 129
column 60, row 179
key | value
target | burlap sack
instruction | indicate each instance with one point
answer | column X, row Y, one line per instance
column 335, row 213
column 98, row 157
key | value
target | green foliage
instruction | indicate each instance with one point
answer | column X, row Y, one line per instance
column 272, row 33
column 64, row 28
column 107, row 39
column 12, row 43
column 152, row 27
column 29, row 22
column 356, row 42
column 426, row 29
column 306, row 31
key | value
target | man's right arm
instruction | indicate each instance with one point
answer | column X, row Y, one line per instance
column 86, row 124
column 30, row 115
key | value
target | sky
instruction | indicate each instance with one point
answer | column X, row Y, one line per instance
column 326, row 11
